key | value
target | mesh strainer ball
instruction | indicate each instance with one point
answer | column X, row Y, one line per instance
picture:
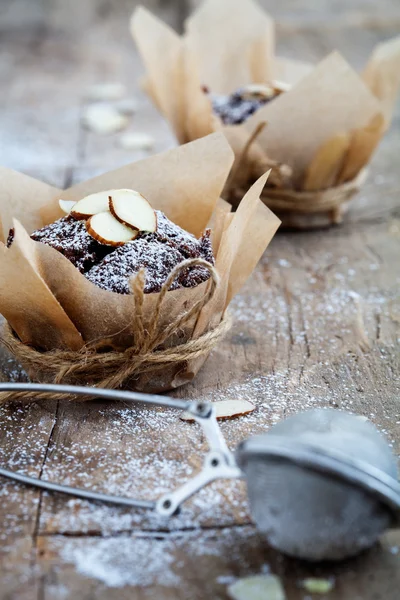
column 322, row 484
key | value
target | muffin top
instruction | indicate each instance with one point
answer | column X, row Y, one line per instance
column 237, row 107
column 108, row 250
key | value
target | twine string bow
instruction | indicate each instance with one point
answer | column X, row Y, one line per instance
column 114, row 369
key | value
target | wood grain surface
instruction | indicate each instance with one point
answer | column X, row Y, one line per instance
column 318, row 324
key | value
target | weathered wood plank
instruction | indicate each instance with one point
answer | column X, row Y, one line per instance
column 44, row 128
column 25, row 433
column 200, row 565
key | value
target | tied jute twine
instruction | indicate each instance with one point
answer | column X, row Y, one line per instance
column 330, row 201
column 116, row 369
column 297, row 208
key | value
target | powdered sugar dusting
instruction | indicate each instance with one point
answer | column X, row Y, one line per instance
column 70, row 237
column 144, row 561
column 124, row 561
column 158, row 260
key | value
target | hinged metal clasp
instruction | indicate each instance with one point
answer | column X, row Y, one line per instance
column 219, row 462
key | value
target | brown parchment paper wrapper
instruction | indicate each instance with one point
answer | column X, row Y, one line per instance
column 320, row 135
column 51, row 306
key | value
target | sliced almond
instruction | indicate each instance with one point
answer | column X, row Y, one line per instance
column 105, row 228
column 104, row 119
column 267, row 91
column 226, row 409
column 66, row 205
column 91, row 205
column 133, row 210
column 280, row 86
column 257, row 91
column 136, row 141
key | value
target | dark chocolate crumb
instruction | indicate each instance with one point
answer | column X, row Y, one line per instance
column 10, row 237
column 184, row 241
column 157, row 258
column 70, row 238
column 235, row 108
column 206, row 250
column 196, row 275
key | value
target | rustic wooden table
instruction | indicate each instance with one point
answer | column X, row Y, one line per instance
column 317, row 325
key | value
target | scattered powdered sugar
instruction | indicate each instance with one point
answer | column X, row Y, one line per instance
column 158, row 260
column 140, row 452
column 134, row 560
column 124, row 561
column 137, row 475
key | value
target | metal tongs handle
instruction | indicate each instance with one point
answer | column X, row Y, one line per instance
column 219, row 462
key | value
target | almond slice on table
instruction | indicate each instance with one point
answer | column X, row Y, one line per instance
column 132, row 209
column 104, row 119
column 91, row 205
column 104, row 228
column 226, row 409
column 66, row 205
column 136, row 141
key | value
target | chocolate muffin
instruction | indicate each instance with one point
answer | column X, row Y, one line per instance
column 236, row 108
column 111, row 267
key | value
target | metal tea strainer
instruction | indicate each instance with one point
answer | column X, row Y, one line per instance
column 322, row 484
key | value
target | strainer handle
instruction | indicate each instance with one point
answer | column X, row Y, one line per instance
column 50, row 486
column 219, row 462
